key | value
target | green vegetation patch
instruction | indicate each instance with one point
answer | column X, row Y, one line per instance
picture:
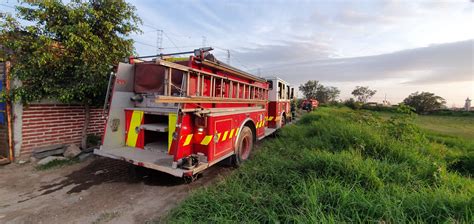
column 455, row 126
column 341, row 165
column 57, row 163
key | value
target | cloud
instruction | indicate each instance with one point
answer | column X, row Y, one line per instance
column 440, row 63
column 280, row 53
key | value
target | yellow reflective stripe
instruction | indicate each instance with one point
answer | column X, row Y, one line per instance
column 218, row 137
column 188, row 139
column 225, row 136
column 260, row 124
column 135, row 122
column 171, row 128
column 231, row 133
column 236, row 132
column 206, row 140
column 270, row 118
column 266, row 118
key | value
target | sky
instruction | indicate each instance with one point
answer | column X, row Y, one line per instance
column 394, row 47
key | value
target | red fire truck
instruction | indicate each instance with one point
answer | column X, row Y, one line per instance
column 309, row 104
column 279, row 105
column 182, row 117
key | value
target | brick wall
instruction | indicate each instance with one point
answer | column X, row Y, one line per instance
column 49, row 124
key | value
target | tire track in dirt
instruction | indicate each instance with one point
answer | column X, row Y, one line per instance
column 84, row 192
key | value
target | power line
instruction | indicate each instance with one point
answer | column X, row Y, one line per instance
column 150, row 26
column 236, row 58
column 167, row 47
column 166, row 35
column 142, row 33
column 161, row 32
column 142, row 43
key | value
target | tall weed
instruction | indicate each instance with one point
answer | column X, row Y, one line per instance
column 340, row 165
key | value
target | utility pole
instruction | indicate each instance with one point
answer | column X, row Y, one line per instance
column 159, row 41
column 228, row 56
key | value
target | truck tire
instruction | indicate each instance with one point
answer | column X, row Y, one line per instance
column 244, row 146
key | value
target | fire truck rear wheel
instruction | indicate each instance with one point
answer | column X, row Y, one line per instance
column 244, row 146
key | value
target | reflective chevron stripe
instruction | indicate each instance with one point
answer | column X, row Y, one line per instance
column 206, row 140
column 135, row 122
column 188, row 139
column 227, row 135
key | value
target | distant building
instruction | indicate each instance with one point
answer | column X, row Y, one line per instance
column 467, row 105
column 371, row 104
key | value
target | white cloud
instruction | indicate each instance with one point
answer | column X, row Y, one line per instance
column 451, row 62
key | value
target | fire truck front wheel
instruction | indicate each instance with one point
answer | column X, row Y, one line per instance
column 244, row 146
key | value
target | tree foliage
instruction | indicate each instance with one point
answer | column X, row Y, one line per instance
column 66, row 50
column 312, row 89
column 363, row 93
column 309, row 89
column 424, row 102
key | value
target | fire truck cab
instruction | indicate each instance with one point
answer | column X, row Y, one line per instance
column 182, row 117
column 279, row 106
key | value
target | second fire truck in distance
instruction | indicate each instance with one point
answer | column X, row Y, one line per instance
column 182, row 117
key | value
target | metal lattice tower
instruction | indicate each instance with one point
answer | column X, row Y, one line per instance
column 159, row 41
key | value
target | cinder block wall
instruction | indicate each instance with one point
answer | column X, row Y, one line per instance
column 50, row 124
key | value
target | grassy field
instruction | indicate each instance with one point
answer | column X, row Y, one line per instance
column 447, row 125
column 339, row 165
column 454, row 126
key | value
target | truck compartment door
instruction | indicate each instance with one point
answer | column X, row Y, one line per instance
column 114, row 135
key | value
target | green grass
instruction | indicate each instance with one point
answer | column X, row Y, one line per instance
column 57, row 163
column 457, row 126
column 340, row 165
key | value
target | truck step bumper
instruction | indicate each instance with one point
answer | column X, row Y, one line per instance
column 160, row 161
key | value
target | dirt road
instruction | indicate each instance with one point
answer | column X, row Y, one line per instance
column 99, row 190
